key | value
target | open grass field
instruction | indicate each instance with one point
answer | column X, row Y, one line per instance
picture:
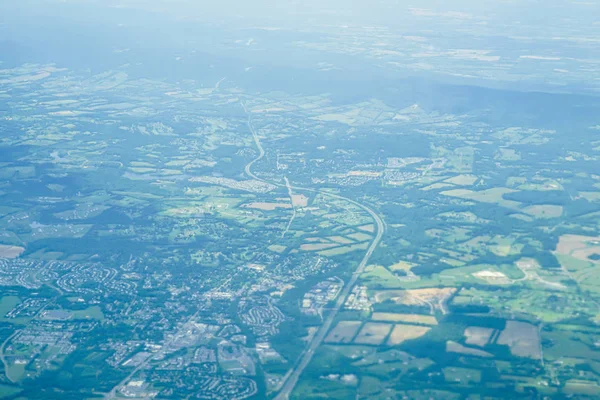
column 450, row 235
column 491, row 196
column 7, row 303
column 439, row 185
column 8, row 391
column 463, row 376
column 343, row 249
column 590, row 196
column 530, row 301
column 379, row 277
column 10, row 251
column 406, row 318
column 544, row 211
column 575, row 387
column 317, row 246
column 22, row 172
column 453, row 347
column 560, row 345
column 504, row 246
column 16, row 369
column 349, row 217
column 277, row 248
column 267, row 206
column 93, row 312
column 507, row 155
column 380, row 357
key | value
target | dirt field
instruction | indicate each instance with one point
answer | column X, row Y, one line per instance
column 361, row 237
column 317, row 240
column 267, row 206
column 522, row 338
column 317, row 246
column 340, row 239
column 10, row 251
column 373, row 333
column 493, row 277
column 463, row 180
column 579, row 257
column 343, row 250
column 577, row 246
column 478, row 336
column 408, row 318
column 544, row 211
column 493, row 195
column 367, row 228
column 343, row 332
column 369, row 174
column 435, row 298
column 402, row 333
column 299, row 200
column 454, row 347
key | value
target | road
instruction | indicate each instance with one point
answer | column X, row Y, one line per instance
column 3, row 356
column 306, row 356
column 294, row 212
column 159, row 355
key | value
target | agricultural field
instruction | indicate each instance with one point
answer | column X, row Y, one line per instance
column 235, row 212
column 373, row 333
column 408, row 318
column 343, row 332
column 402, row 333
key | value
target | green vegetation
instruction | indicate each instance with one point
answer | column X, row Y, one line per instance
column 7, row 303
column 180, row 227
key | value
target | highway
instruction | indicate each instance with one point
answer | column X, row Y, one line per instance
column 294, row 211
column 292, row 378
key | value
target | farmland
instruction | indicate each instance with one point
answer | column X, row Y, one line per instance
column 233, row 211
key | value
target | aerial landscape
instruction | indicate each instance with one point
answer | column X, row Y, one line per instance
column 250, row 201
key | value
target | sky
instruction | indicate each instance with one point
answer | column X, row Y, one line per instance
column 555, row 29
column 580, row 15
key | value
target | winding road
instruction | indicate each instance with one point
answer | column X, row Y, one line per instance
column 292, row 378
column 3, row 355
